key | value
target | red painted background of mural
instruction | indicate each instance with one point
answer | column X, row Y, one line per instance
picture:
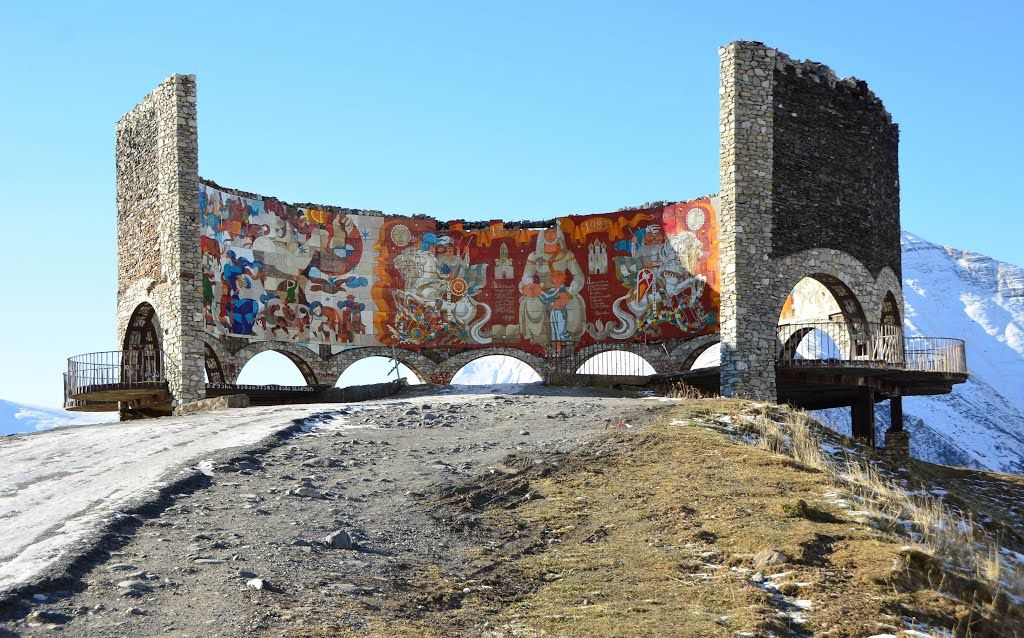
column 638, row 275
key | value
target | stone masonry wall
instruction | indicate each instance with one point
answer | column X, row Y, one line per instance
column 158, row 227
column 810, row 187
column 835, row 167
column 748, row 319
column 137, row 255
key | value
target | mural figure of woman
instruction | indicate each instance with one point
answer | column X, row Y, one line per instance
column 551, row 310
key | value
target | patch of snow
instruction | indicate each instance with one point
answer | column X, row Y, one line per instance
column 60, row 486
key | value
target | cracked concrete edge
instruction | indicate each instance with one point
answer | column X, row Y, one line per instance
column 94, row 548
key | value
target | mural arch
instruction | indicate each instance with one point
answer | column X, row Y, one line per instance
column 617, row 362
column 304, row 359
column 447, row 370
column 419, row 364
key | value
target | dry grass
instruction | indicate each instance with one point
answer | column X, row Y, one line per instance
column 681, row 390
column 652, row 532
column 961, row 548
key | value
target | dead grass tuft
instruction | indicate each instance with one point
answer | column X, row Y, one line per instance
column 974, row 568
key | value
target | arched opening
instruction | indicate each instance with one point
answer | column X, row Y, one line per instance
column 212, row 370
column 142, row 330
column 141, row 358
column 890, row 311
column 617, row 363
column 709, row 357
column 822, row 320
column 496, row 369
column 272, row 368
column 376, row 370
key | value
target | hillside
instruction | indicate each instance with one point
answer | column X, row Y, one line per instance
column 949, row 292
column 535, row 513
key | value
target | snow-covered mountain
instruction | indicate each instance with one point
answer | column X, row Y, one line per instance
column 17, row 417
column 948, row 293
column 495, row 370
column 952, row 293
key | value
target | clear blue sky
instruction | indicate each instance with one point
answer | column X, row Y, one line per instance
column 474, row 110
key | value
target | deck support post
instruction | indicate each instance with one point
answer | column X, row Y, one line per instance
column 863, row 413
column 896, row 414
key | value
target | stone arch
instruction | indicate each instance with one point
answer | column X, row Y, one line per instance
column 142, row 357
column 830, row 339
column 686, row 354
column 843, row 275
column 448, row 368
column 849, row 282
column 143, row 329
column 304, row 359
column 891, row 315
column 219, row 364
column 415, row 361
column 888, row 284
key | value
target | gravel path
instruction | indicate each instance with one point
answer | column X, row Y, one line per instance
column 59, row 488
column 246, row 554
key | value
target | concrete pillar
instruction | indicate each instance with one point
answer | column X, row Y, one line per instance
column 749, row 315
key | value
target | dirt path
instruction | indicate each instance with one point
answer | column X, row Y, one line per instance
column 245, row 555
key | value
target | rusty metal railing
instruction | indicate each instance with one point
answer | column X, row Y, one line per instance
column 825, row 343
column 936, row 354
column 117, row 367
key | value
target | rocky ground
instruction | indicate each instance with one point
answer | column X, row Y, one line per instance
column 343, row 510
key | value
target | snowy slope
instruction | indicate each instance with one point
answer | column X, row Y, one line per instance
column 17, row 417
column 59, row 487
column 952, row 293
column 495, row 370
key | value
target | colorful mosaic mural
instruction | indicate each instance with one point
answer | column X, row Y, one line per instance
column 287, row 273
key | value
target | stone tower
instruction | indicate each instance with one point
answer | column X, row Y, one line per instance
column 158, row 285
column 809, row 187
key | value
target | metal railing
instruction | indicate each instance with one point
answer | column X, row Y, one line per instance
column 936, row 354
column 814, row 343
column 117, row 367
column 622, row 359
column 825, row 343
